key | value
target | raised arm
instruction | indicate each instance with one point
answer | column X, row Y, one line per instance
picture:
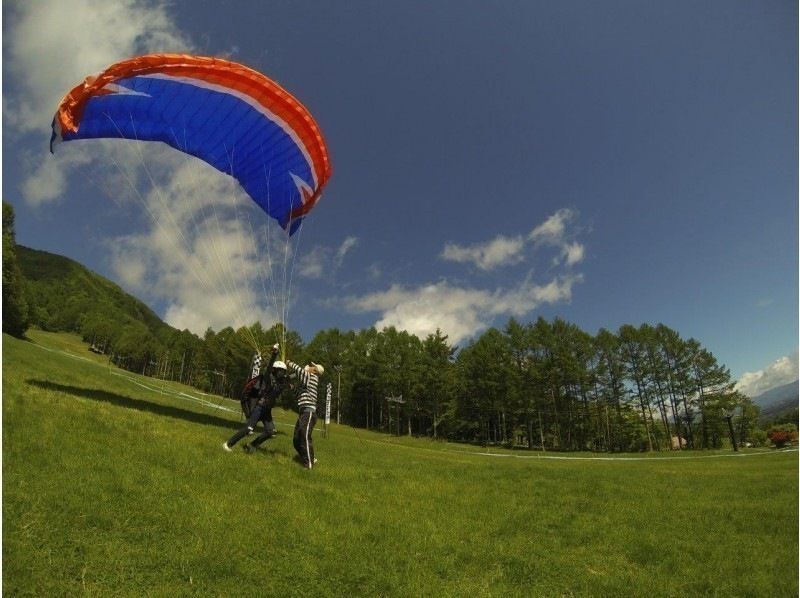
column 302, row 374
column 273, row 356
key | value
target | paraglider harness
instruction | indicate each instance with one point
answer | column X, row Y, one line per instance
column 258, row 387
column 254, row 389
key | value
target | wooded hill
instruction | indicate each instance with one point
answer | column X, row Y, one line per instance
column 64, row 295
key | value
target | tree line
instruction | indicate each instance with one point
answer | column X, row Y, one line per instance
column 545, row 385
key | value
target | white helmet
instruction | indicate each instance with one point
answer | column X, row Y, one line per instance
column 279, row 365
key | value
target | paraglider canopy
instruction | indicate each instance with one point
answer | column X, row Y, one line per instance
column 228, row 115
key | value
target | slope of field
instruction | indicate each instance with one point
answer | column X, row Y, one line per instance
column 117, row 484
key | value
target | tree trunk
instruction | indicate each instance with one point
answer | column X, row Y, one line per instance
column 541, row 430
column 689, row 433
column 646, row 425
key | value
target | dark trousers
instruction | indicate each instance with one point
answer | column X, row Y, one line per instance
column 266, row 434
column 303, row 443
column 259, row 413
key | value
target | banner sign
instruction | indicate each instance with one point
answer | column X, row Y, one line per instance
column 328, row 406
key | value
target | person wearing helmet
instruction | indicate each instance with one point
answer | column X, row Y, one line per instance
column 307, row 407
column 261, row 392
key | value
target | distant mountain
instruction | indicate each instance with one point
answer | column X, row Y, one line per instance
column 778, row 400
column 63, row 294
column 778, row 394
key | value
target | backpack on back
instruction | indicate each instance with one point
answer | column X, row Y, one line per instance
column 250, row 395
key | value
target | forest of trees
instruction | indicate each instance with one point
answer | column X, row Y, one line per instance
column 545, row 385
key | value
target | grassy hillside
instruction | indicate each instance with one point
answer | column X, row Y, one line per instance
column 114, row 484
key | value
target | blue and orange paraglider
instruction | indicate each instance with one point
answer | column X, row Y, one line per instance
column 226, row 114
column 238, row 121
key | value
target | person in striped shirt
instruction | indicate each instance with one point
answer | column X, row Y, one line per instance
column 307, row 407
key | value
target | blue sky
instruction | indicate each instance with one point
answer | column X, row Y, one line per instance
column 604, row 162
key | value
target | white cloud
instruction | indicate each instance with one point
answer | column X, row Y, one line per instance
column 504, row 250
column 573, row 253
column 312, row 264
column 49, row 174
column 204, row 252
column 553, row 230
column 781, row 371
column 92, row 33
column 459, row 312
column 45, row 184
column 38, row 37
column 344, row 248
column 500, row 251
column 320, row 260
column 131, row 273
column 464, row 312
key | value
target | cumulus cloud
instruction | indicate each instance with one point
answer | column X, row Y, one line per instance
column 462, row 312
column 781, row 371
column 505, row 250
column 459, row 312
column 96, row 34
column 204, row 252
column 45, row 184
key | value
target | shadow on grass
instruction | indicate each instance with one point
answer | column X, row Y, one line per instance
column 137, row 404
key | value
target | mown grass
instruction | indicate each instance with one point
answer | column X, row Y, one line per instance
column 110, row 488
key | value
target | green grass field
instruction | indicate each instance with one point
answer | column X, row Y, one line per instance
column 115, row 484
